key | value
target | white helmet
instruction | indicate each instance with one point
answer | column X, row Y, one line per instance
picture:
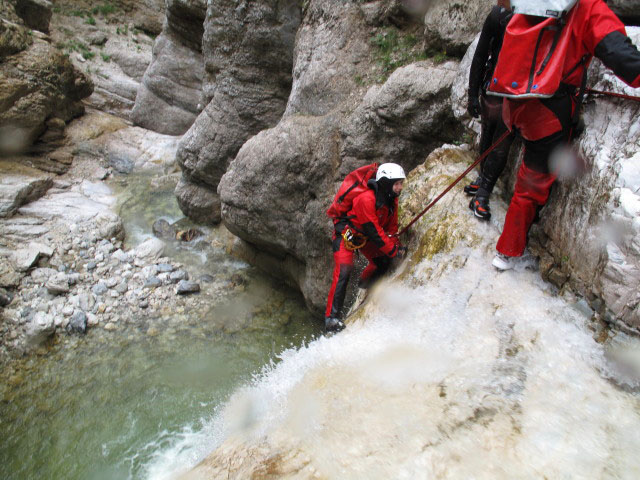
column 542, row 8
column 392, row 171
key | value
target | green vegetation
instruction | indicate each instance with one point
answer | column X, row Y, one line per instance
column 395, row 49
column 91, row 20
column 105, row 57
column 439, row 56
column 123, row 31
column 77, row 13
column 104, row 9
column 76, row 46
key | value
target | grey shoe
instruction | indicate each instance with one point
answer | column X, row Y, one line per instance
column 332, row 324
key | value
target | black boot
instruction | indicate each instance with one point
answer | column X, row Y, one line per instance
column 333, row 324
column 480, row 207
column 472, row 188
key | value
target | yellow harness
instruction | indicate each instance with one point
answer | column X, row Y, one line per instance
column 352, row 240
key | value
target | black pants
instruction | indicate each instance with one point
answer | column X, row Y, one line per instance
column 492, row 128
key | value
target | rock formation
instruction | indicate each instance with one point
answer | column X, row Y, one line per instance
column 248, row 53
column 451, row 25
column 170, row 94
column 39, row 88
column 276, row 191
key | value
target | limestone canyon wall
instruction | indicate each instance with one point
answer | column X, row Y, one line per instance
column 285, row 119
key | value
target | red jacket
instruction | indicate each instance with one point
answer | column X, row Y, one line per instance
column 375, row 223
column 535, row 51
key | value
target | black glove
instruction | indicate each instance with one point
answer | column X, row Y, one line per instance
column 473, row 107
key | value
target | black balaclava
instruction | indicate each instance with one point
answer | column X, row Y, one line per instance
column 384, row 192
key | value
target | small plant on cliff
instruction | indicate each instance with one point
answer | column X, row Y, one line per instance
column 105, row 57
column 395, row 49
column 104, row 9
column 91, row 20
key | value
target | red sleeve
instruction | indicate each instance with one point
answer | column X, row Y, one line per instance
column 600, row 21
column 364, row 208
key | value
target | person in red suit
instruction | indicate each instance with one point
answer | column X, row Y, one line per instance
column 369, row 227
column 547, row 47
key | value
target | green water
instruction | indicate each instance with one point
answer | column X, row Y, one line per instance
column 104, row 405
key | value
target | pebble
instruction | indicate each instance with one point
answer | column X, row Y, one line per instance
column 144, row 304
column 100, row 288
column 152, row 282
column 67, row 311
column 110, row 327
column 90, row 266
column 78, row 323
column 165, row 267
column 111, row 282
column 121, row 256
column 186, row 287
column 122, row 288
column 175, row 277
column 206, row 278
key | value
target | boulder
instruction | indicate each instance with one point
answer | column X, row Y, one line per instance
column 25, row 258
column 406, row 118
column 450, row 25
column 276, row 191
column 39, row 329
column 169, row 96
column 186, row 287
column 151, row 249
column 248, row 50
column 35, row 13
column 37, row 84
column 20, row 184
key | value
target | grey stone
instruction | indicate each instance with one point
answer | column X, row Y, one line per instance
column 111, row 282
column 144, row 304
column 186, row 287
column 9, row 278
column 25, row 258
column 86, row 301
column 165, row 267
column 58, row 284
column 162, row 229
column 91, row 265
column 152, row 282
column 20, row 184
column 78, row 323
column 450, row 25
column 67, row 311
column 5, row 297
column 150, row 249
column 120, row 163
column 177, row 276
column 122, row 287
column 121, row 256
column 39, row 329
column 99, row 289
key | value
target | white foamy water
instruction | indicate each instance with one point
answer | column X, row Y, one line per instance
column 479, row 375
